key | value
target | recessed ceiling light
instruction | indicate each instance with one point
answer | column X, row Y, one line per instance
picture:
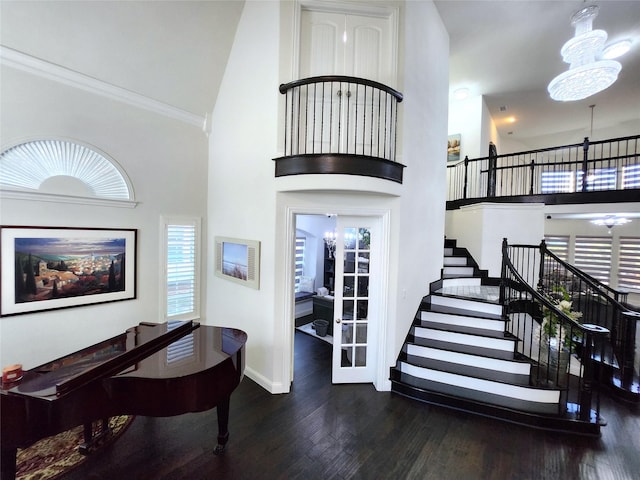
column 510, row 119
column 461, row 93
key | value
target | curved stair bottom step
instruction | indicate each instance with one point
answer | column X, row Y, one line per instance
column 474, row 395
column 568, row 424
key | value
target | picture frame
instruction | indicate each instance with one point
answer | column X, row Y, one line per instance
column 238, row 261
column 65, row 267
column 453, row 147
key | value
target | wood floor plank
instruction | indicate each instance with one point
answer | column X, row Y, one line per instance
column 325, row 431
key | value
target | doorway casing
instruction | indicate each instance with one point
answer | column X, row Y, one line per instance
column 381, row 381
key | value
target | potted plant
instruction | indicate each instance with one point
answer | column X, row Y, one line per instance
column 555, row 346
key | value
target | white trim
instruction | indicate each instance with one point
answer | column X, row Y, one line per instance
column 41, row 68
column 381, row 373
column 56, row 198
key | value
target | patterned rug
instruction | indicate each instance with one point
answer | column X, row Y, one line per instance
column 52, row 457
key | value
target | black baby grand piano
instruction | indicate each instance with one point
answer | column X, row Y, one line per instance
column 156, row 370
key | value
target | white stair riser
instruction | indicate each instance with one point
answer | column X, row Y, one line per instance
column 478, row 361
column 448, row 251
column 455, row 261
column 471, row 305
column 462, row 271
column 465, row 339
column 497, row 388
column 462, row 321
column 461, row 282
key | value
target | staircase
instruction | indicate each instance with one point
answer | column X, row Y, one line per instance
column 458, row 354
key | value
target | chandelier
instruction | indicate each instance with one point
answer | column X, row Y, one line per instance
column 330, row 242
column 610, row 221
column 586, row 75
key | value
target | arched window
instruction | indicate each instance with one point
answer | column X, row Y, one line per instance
column 62, row 167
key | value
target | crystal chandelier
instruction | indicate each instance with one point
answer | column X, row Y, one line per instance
column 586, row 75
column 610, row 221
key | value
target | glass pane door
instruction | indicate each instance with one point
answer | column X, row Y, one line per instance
column 354, row 308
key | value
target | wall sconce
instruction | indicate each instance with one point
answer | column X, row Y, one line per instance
column 330, row 242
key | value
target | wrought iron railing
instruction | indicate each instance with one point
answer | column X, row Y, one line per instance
column 566, row 352
column 583, row 167
column 340, row 115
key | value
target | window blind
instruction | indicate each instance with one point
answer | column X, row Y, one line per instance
column 301, row 243
column 629, row 264
column 593, row 255
column 559, row 245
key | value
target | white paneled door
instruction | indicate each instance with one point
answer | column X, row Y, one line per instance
column 344, row 44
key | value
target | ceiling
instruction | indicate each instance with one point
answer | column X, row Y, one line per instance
column 508, row 52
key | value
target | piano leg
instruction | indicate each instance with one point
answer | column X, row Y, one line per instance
column 8, row 463
column 223, row 425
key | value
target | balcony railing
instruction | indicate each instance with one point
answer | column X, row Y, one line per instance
column 580, row 168
column 340, row 124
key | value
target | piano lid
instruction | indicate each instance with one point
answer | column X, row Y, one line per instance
column 106, row 358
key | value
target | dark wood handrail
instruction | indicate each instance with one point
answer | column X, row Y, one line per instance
column 284, row 87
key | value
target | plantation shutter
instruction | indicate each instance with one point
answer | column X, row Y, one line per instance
column 629, row 263
column 593, row 256
column 182, row 269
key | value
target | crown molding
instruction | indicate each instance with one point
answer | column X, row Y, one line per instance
column 36, row 66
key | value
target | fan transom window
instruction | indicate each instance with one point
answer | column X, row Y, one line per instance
column 63, row 167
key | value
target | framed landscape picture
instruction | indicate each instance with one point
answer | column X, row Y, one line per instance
column 46, row 268
column 238, row 260
column 453, row 148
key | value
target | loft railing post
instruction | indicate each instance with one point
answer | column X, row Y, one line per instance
column 492, row 170
column 466, row 176
column 585, row 163
column 533, row 167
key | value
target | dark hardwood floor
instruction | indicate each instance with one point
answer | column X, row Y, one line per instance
column 325, row 431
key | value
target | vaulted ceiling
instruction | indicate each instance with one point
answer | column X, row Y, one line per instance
column 176, row 52
column 508, row 51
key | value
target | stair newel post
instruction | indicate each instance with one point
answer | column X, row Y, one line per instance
column 585, row 163
column 629, row 326
column 543, row 250
column 586, row 386
column 503, row 273
column 466, row 176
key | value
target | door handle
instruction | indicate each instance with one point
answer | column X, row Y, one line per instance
column 337, row 320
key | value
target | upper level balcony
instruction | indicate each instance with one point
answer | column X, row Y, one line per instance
column 606, row 171
column 337, row 124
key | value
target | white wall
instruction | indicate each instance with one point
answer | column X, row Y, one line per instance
column 165, row 160
column 241, row 184
column 481, row 227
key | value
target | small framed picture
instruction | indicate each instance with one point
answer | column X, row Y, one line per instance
column 238, row 261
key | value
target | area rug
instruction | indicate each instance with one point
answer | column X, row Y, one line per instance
column 52, row 457
column 309, row 330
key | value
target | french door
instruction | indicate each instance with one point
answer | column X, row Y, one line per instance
column 356, row 299
column 336, row 115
